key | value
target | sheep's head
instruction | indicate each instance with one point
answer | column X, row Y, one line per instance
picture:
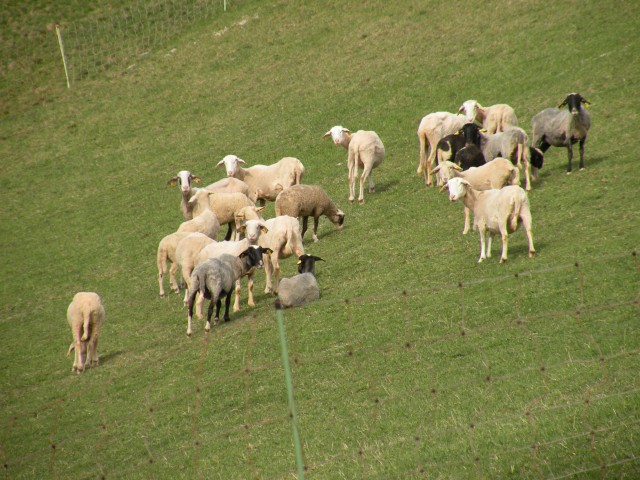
column 573, row 101
column 445, row 171
column 252, row 230
column 252, row 257
column 230, row 163
column 340, row 135
column 457, row 188
column 470, row 109
column 307, row 263
column 184, row 179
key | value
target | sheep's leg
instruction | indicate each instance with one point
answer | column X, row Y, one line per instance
column 430, row 167
column 316, row 221
column 160, row 280
column 200, row 305
column 482, row 232
column 85, row 326
column 305, row 221
column 489, row 240
column 267, row 270
column 207, row 325
column 570, row 155
column 353, row 173
column 582, row 153
column 190, row 300
column 172, row 278
column 227, row 301
column 230, row 231
column 250, row 288
column 372, row 186
column 276, row 271
column 95, row 359
column 366, row 173
column 525, row 217
column 236, row 302
column 423, row 155
column 467, row 220
column 505, row 243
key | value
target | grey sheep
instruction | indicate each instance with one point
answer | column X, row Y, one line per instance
column 216, row 278
column 555, row 127
column 308, row 201
column 302, row 288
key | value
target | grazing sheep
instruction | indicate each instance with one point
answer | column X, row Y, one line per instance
column 431, row 129
column 493, row 175
column 85, row 315
column 305, row 201
column 252, row 230
column 187, row 252
column 494, row 211
column 555, row 127
column 284, row 240
column 493, row 119
column 513, row 143
column 365, row 150
column 216, row 277
column 264, row 178
column 167, row 251
column 184, row 178
column 302, row 288
column 224, row 205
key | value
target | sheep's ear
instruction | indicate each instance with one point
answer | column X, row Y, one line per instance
column 444, row 187
column 240, row 215
column 219, row 164
column 326, row 135
column 264, row 229
column 196, row 179
column 238, row 159
column 346, row 130
column 455, row 166
column 586, row 103
column 437, row 169
column 318, row 259
column 259, row 209
column 461, row 109
column 562, row 104
column 173, row 182
column 298, row 262
column 267, row 250
column 483, row 130
column 278, row 187
column 242, row 228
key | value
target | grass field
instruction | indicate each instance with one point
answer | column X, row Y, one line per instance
column 417, row 362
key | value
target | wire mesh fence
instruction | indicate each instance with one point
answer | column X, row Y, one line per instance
column 549, row 387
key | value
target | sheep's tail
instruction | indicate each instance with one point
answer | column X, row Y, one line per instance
column 299, row 172
column 519, row 200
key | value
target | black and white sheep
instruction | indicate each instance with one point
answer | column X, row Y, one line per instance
column 308, row 201
column 556, row 127
column 216, row 278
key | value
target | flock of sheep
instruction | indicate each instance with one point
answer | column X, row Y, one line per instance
column 478, row 165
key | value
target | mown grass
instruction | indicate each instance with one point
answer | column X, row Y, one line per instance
column 436, row 366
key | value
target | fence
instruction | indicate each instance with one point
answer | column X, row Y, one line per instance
column 514, row 376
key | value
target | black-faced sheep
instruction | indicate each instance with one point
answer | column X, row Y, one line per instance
column 302, row 288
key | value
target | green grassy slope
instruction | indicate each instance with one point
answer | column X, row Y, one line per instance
column 472, row 372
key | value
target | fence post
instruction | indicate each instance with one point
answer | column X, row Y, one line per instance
column 64, row 58
column 292, row 405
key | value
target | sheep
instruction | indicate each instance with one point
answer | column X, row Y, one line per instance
column 495, row 211
column 245, row 214
column 204, row 221
column 305, row 201
column 365, row 150
column 187, row 252
column 555, row 127
column 301, row 288
column 431, row 129
column 184, row 178
column 513, row 143
column 228, row 185
column 167, row 251
column 495, row 174
column 224, row 205
column 493, row 119
column 216, row 277
column 252, row 230
column 284, row 240
column 264, row 178
column 85, row 315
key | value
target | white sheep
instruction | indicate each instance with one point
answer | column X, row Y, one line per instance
column 204, row 221
column 184, row 179
column 223, row 204
column 264, row 178
column 283, row 239
column 302, row 288
column 252, row 230
column 85, row 315
column 493, row 175
column 562, row 128
column 245, row 214
column 167, row 251
column 187, row 252
column 215, row 278
column 305, row 201
column 365, row 150
column 228, row 185
column 493, row 119
column 495, row 211
column 432, row 128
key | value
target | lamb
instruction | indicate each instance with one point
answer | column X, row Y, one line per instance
column 365, row 150
column 513, row 143
column 167, row 251
column 302, row 288
column 85, row 315
column 187, row 252
column 562, row 128
column 431, row 129
column 495, row 211
column 215, row 278
column 252, row 229
column 184, row 178
column 305, row 201
column 493, row 175
column 493, row 119
column 264, row 178
column 224, row 205
column 284, row 240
